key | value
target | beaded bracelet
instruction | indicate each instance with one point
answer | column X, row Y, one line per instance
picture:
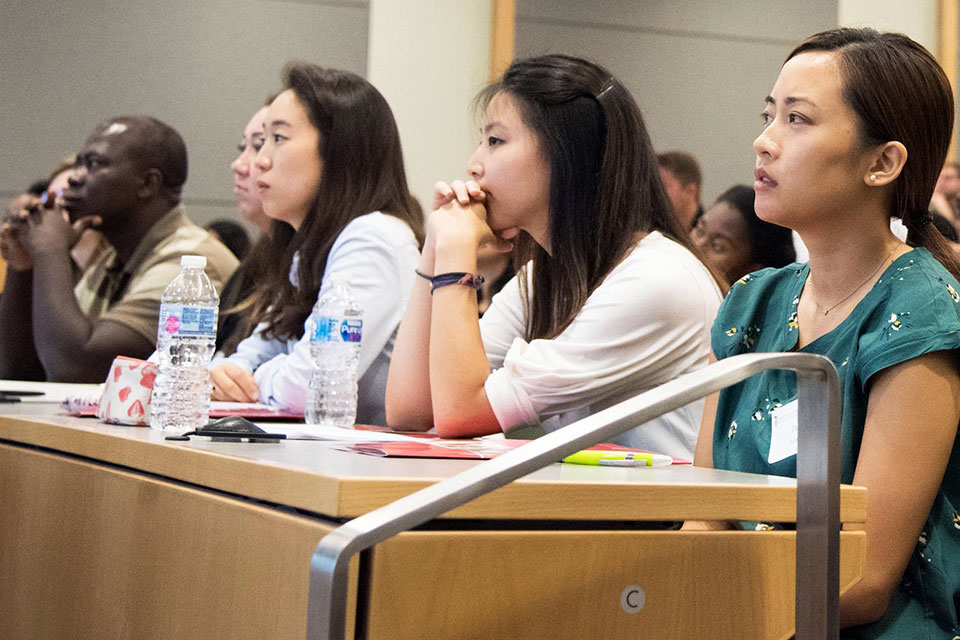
column 454, row 277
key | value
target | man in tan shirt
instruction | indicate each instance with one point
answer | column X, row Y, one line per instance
column 129, row 175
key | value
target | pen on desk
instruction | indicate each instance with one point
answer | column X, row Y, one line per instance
column 15, row 396
column 619, row 459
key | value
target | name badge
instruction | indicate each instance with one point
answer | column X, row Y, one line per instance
column 783, row 432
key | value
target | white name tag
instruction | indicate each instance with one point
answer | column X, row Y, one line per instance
column 783, row 432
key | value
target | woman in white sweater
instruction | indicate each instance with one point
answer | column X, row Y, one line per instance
column 610, row 298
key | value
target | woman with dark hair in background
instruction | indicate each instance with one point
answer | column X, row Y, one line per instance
column 245, row 172
column 855, row 131
column 735, row 241
column 236, row 321
column 610, row 298
column 232, row 235
column 331, row 168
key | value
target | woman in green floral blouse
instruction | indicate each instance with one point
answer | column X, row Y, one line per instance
column 855, row 131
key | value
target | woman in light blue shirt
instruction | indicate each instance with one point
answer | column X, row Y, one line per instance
column 330, row 167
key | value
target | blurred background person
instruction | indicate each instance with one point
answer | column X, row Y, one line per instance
column 244, row 173
column 681, row 176
column 87, row 241
column 233, row 235
column 735, row 241
column 236, row 320
column 946, row 195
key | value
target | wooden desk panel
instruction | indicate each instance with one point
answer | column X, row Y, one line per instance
column 569, row 584
column 87, row 551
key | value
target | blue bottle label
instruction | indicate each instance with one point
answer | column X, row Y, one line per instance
column 351, row 330
column 183, row 320
column 327, row 329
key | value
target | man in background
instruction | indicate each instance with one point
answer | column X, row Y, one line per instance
column 946, row 195
column 128, row 180
column 682, row 179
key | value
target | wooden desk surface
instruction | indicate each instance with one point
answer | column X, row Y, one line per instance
column 315, row 476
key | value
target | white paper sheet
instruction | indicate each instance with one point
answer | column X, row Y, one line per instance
column 337, row 434
column 52, row 391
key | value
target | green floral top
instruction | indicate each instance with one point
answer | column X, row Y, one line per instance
column 913, row 309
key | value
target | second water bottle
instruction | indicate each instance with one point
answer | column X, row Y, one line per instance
column 336, row 332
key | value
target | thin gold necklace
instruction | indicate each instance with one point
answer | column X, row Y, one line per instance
column 859, row 286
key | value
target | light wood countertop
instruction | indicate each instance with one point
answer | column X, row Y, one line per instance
column 316, row 476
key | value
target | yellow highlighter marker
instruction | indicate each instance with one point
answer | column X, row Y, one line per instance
column 619, row 459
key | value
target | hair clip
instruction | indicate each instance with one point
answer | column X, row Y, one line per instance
column 606, row 87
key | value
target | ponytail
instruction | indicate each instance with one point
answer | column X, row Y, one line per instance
column 921, row 232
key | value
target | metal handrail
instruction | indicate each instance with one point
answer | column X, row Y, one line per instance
column 818, row 487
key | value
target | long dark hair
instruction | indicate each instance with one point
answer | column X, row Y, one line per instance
column 604, row 183
column 898, row 92
column 238, row 300
column 359, row 147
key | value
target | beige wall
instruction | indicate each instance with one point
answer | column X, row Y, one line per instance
column 203, row 66
column 698, row 69
column 917, row 18
column 429, row 58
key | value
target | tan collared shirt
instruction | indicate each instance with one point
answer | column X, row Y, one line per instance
column 130, row 293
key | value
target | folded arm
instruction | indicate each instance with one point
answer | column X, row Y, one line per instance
column 458, row 362
column 70, row 346
column 439, row 365
column 408, row 401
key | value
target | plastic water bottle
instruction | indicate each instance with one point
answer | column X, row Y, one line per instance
column 336, row 331
column 186, row 337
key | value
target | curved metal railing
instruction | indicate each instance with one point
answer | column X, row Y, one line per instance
column 818, row 487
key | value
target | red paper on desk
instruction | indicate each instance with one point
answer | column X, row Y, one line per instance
column 252, row 410
column 481, row 449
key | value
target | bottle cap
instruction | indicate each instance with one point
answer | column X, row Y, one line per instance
column 193, row 262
